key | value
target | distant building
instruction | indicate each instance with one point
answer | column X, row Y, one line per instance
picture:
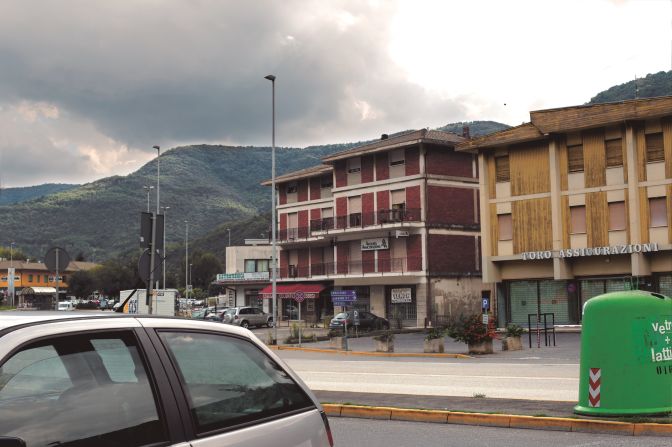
column 576, row 203
column 394, row 221
column 31, row 275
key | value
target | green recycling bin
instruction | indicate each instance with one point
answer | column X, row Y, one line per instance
column 626, row 355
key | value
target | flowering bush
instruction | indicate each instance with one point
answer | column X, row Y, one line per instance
column 471, row 330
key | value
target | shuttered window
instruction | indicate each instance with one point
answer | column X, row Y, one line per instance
column 575, row 158
column 654, row 147
column 657, row 212
column 505, row 227
column 614, row 152
column 502, row 169
column 617, row 216
column 578, row 219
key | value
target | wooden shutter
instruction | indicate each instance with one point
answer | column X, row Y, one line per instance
column 614, row 152
column 575, row 158
column 654, row 147
column 503, row 173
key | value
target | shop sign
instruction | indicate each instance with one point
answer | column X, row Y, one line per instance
column 379, row 243
column 249, row 276
column 595, row 251
column 401, row 295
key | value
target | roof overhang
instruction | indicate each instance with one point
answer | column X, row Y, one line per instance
column 315, row 171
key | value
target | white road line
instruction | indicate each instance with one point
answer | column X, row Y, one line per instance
column 341, row 373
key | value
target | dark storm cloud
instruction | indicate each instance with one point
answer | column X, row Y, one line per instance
column 169, row 72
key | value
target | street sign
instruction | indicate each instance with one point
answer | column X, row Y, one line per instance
column 299, row 296
column 356, row 317
column 343, row 296
column 50, row 259
column 485, row 318
column 486, row 303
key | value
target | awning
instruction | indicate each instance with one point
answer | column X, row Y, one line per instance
column 38, row 291
column 291, row 291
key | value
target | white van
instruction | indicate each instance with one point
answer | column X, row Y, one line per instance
column 66, row 305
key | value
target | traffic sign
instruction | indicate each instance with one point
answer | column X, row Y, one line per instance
column 485, row 303
column 56, row 259
column 299, row 296
column 345, row 296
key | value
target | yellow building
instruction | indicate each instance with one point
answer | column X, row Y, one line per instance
column 576, row 203
column 35, row 274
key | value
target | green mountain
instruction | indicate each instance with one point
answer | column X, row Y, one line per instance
column 211, row 186
column 9, row 196
column 657, row 84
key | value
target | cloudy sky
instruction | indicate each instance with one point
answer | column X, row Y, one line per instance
column 88, row 87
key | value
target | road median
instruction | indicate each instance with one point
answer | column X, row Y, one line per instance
column 369, row 353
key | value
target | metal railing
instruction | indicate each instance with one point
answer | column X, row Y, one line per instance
column 395, row 265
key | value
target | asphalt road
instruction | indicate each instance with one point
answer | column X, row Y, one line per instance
column 550, row 374
column 372, row 433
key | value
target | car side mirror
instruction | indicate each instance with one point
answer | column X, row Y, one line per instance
column 7, row 441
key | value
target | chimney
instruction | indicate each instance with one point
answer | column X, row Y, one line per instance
column 384, row 136
column 465, row 132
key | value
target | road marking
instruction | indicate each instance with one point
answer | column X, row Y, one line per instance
column 341, row 373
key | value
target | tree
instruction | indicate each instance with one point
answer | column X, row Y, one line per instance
column 116, row 275
column 16, row 254
column 204, row 269
column 81, row 284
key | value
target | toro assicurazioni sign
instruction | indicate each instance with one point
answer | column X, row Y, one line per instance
column 593, row 251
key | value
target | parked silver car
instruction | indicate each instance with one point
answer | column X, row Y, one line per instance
column 247, row 317
column 84, row 379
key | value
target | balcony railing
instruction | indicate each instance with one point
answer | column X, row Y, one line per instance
column 354, row 220
column 395, row 265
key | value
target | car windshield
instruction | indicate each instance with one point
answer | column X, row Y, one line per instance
column 341, row 316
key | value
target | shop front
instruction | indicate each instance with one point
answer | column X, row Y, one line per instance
column 401, row 305
column 307, row 302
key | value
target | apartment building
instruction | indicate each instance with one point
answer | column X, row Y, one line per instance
column 576, row 203
column 396, row 221
column 247, row 273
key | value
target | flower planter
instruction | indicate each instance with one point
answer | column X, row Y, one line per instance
column 338, row 342
column 484, row 347
column 512, row 344
column 434, row 345
column 384, row 346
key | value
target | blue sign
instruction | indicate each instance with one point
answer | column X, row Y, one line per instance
column 343, row 296
column 486, row 303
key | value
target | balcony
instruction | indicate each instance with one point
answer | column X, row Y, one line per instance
column 396, row 265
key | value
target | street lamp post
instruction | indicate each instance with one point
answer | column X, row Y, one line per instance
column 190, row 278
column 165, row 212
column 274, row 254
column 148, row 189
column 186, row 259
column 11, row 269
column 152, row 258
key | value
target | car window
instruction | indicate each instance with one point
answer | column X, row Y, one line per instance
column 341, row 316
column 258, row 311
column 79, row 390
column 229, row 381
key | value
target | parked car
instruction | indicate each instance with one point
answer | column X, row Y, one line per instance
column 247, row 317
column 114, row 380
column 367, row 321
column 66, row 305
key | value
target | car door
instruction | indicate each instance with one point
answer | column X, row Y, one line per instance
column 237, row 395
column 259, row 317
column 84, row 389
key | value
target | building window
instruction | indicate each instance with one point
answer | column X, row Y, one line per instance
column 655, row 151
column 354, row 165
column 505, row 227
column 30, row 278
column 502, row 169
column 326, row 182
column 578, row 214
column 292, row 188
column 46, row 279
column 617, row 219
column 658, row 212
column 614, row 150
column 575, row 158
column 397, row 157
column 256, row 265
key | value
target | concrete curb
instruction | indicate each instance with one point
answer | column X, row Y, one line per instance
column 499, row 420
column 371, row 354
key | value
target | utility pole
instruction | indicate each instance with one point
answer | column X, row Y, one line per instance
column 274, row 255
column 186, row 259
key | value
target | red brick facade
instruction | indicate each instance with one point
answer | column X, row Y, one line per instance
column 315, row 214
column 341, row 175
column 283, row 221
column 382, row 166
column 383, row 260
column 315, row 188
column 383, row 200
column 303, row 223
column 304, row 260
column 441, row 161
column 302, row 189
column 343, row 254
column 282, row 194
column 368, row 261
column 451, row 254
column 368, row 213
column 367, row 169
column 412, row 161
column 414, row 253
column 413, row 198
column 446, row 206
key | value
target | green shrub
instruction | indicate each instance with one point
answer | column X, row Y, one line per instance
column 513, row 330
column 435, row 333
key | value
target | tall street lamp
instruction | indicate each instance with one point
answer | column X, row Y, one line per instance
column 165, row 212
column 10, row 277
column 190, row 278
column 274, row 254
column 186, row 258
column 158, row 188
column 148, row 189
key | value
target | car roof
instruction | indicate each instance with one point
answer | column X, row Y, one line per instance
column 11, row 320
